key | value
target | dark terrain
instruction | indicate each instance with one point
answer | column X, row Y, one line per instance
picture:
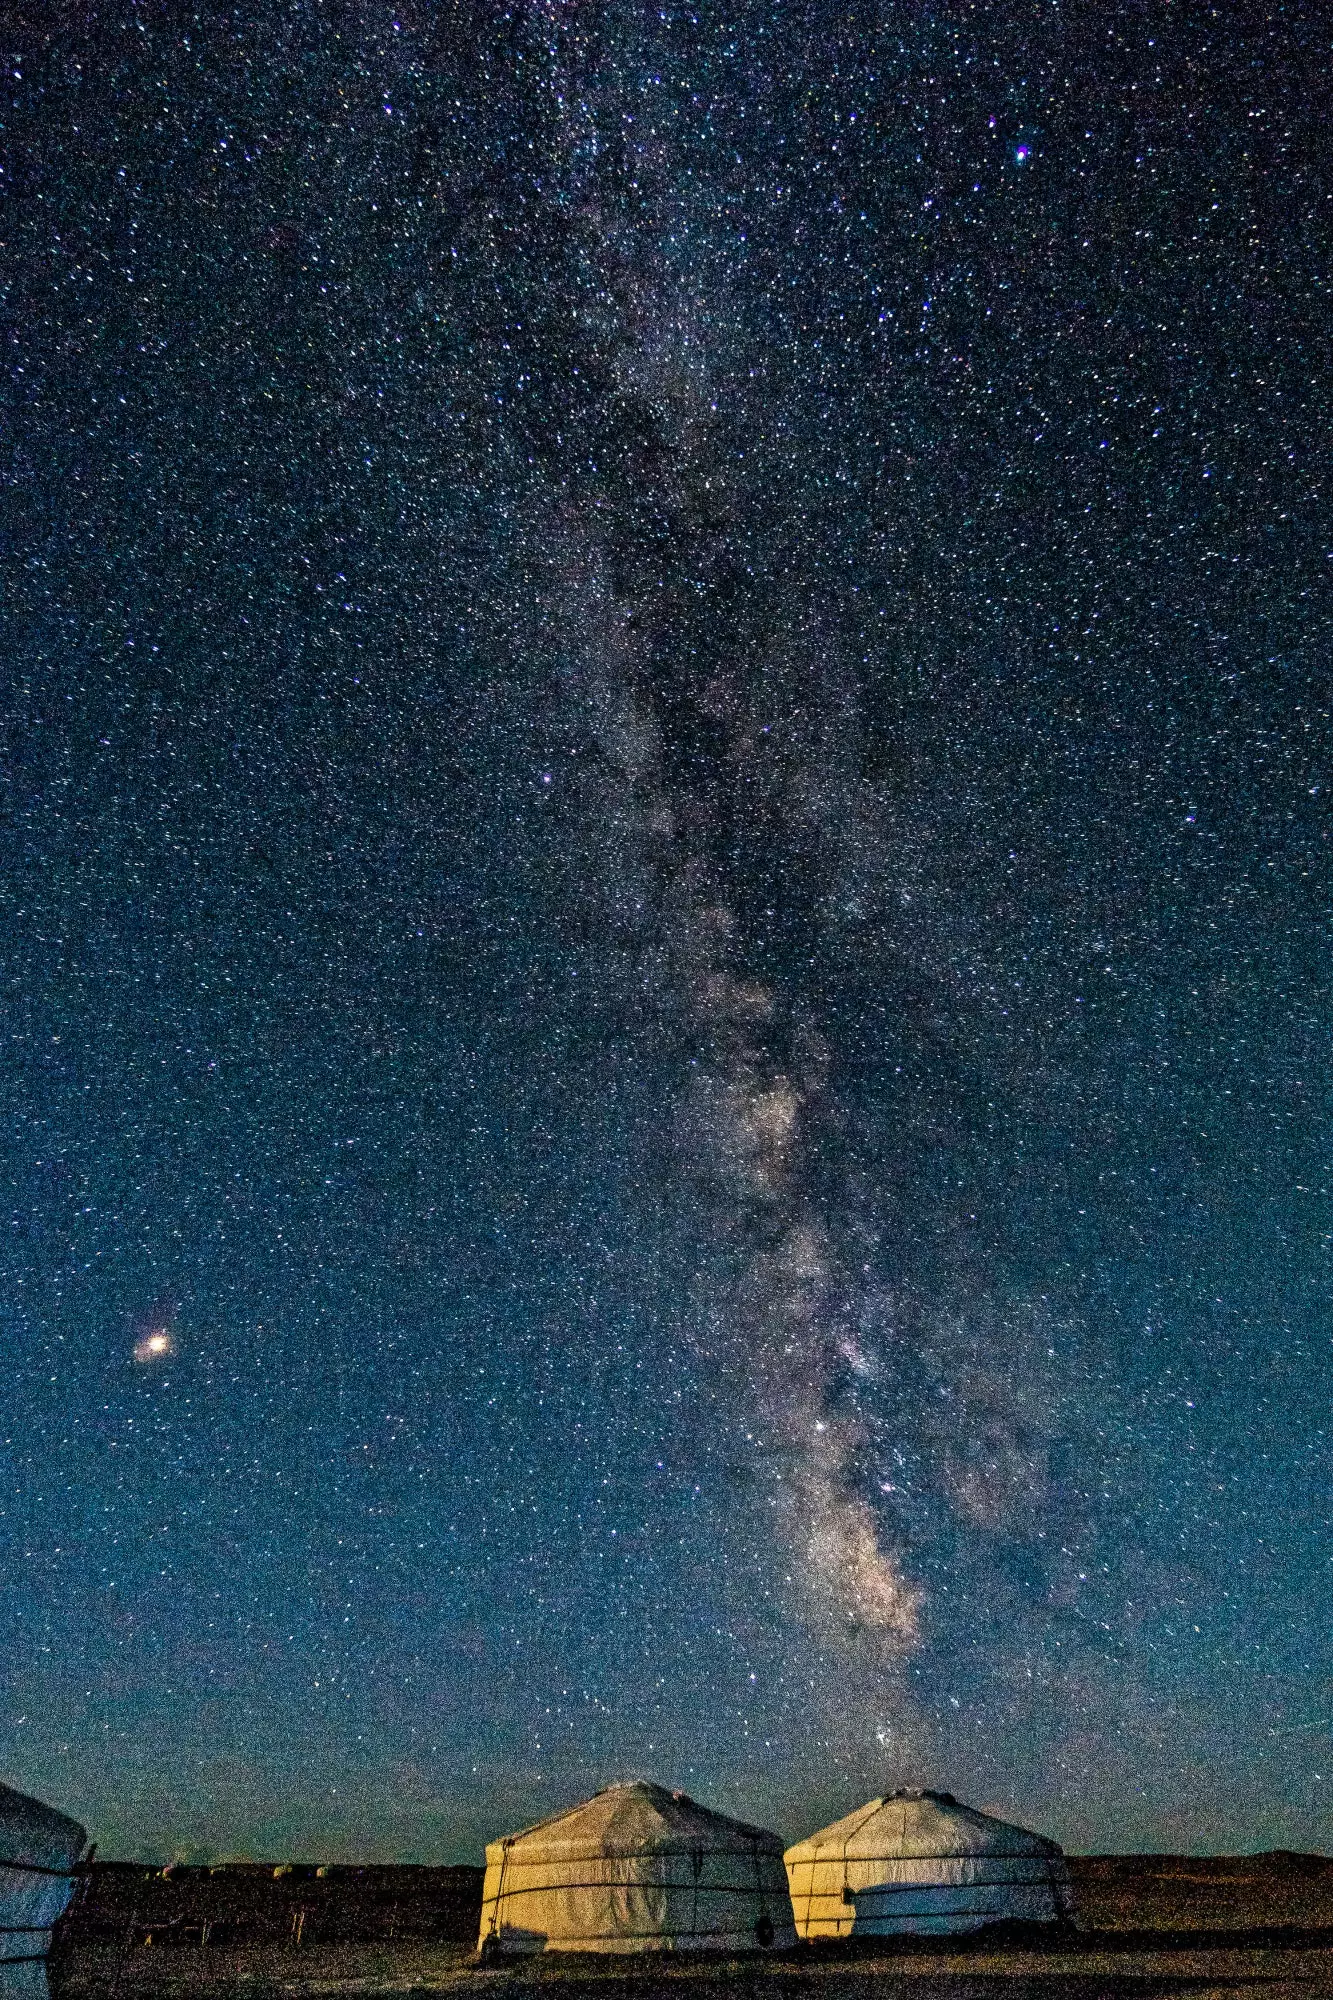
column 1148, row 1925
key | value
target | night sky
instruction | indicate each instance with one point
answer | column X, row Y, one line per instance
column 665, row 884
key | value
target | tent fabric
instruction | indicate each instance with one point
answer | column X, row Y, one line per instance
column 921, row 1862
column 637, row 1868
column 38, row 1850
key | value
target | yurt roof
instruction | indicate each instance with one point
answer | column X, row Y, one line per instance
column 636, row 1818
column 920, row 1825
column 37, row 1835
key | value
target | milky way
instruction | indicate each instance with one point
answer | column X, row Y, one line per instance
column 666, row 908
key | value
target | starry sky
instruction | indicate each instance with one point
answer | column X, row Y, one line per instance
column 665, row 942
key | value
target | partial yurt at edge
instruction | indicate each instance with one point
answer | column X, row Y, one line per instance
column 921, row 1862
column 38, row 1850
column 637, row 1868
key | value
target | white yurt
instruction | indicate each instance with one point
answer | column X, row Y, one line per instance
column 921, row 1862
column 38, row 1850
column 637, row 1868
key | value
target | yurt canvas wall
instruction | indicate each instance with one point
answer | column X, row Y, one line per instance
column 920, row 1861
column 38, row 1850
column 636, row 1868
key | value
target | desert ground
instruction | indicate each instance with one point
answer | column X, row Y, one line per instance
column 1148, row 1926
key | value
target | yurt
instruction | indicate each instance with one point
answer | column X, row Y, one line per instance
column 920, row 1861
column 38, row 1850
column 636, row 1868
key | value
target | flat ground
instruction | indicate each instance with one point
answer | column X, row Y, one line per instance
column 1148, row 1927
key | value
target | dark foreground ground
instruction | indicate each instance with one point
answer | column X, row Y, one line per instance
column 1149, row 1926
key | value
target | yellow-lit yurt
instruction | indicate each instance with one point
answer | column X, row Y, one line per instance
column 921, row 1862
column 38, row 1850
column 637, row 1868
